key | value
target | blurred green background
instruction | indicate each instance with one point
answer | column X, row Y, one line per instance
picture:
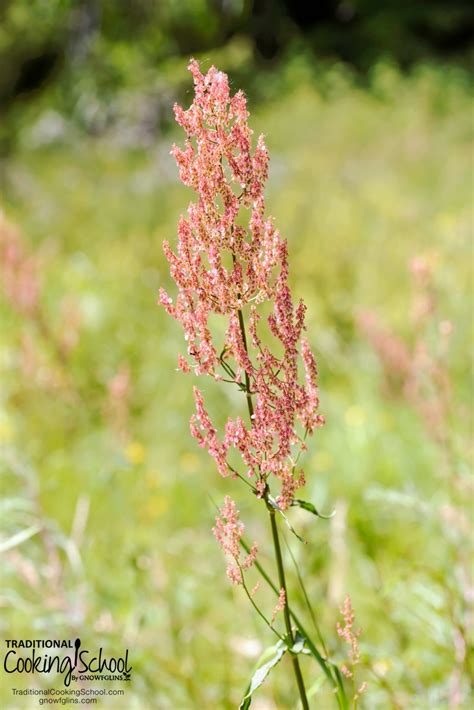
column 106, row 500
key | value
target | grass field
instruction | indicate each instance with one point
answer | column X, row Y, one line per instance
column 98, row 466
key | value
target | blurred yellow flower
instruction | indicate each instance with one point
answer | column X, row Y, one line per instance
column 135, row 453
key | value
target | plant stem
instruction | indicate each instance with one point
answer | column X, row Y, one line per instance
column 259, row 612
column 326, row 666
column 286, row 613
column 306, row 598
column 247, row 379
column 276, row 543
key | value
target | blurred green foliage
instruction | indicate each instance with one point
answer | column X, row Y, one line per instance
column 96, row 450
column 93, row 61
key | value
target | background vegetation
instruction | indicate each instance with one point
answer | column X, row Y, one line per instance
column 107, row 502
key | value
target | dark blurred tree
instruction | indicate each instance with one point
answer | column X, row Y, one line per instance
column 96, row 48
column 31, row 45
column 361, row 31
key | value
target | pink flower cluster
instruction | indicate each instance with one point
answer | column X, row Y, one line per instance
column 349, row 635
column 228, row 532
column 20, row 277
column 351, row 638
column 232, row 262
column 280, row 605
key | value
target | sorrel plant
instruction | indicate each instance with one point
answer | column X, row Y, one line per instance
column 232, row 262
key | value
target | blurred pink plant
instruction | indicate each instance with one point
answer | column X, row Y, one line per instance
column 117, row 408
column 20, row 278
column 350, row 636
column 21, row 284
column 416, row 369
column 70, row 327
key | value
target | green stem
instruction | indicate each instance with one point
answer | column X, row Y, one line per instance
column 327, row 667
column 247, row 379
column 236, row 473
column 259, row 612
column 276, row 541
column 286, row 613
column 306, row 598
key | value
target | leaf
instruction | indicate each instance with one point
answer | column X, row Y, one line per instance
column 19, row 537
column 275, row 505
column 311, row 509
column 261, row 673
column 298, row 646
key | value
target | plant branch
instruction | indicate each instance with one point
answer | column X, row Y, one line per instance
column 257, row 609
column 325, row 665
column 276, row 543
column 306, row 598
column 286, row 613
